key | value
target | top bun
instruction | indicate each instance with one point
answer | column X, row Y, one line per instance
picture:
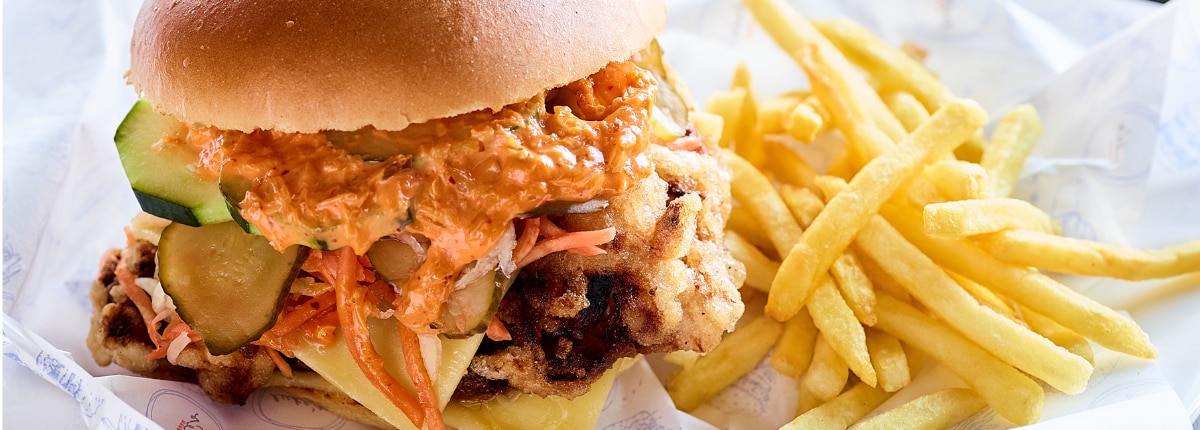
column 342, row 65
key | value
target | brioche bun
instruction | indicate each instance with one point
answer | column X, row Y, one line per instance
column 343, row 65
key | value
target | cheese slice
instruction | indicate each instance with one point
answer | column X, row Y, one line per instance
column 336, row 365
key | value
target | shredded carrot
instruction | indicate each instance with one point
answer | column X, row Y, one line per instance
column 140, row 300
column 174, row 330
column 528, row 238
column 410, row 345
column 301, row 313
column 284, row 367
column 497, row 331
column 551, row 230
column 351, row 315
column 576, row 239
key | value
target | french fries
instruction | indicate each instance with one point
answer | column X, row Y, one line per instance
column 964, row 218
column 736, row 355
column 794, row 352
column 932, row 411
column 842, row 411
column 841, row 329
column 829, row 235
column 1089, row 258
column 1012, row 140
column 1012, row 394
column 919, row 257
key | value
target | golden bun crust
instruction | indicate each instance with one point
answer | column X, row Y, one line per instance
column 343, row 65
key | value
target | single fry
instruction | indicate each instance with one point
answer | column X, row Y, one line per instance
column 743, row 223
column 794, row 352
column 883, row 282
column 804, row 123
column 841, row 329
column 736, row 355
column 959, row 180
column 930, row 285
column 802, row 202
column 1012, row 140
column 894, row 69
column 682, row 358
column 755, row 191
column 1090, row 258
column 834, row 228
column 747, row 137
column 1058, row 334
column 907, row 109
column 855, row 286
column 964, row 218
column 773, row 113
column 827, row 373
column 971, row 151
column 760, row 270
column 1012, row 394
column 933, row 411
column 1027, row 287
column 842, row 411
column 891, row 364
column 788, row 166
column 922, row 191
column 987, row 297
column 727, row 105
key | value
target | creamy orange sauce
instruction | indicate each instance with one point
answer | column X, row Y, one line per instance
column 458, row 181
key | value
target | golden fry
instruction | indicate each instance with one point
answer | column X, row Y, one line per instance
column 842, row 411
column 971, row 151
column 1090, row 258
column 833, row 230
column 827, row 373
column 773, row 114
column 728, row 105
column 907, row 109
column 804, row 123
column 986, row 297
column 1012, row 394
column 737, row 354
column 795, row 349
column 1012, row 140
column 891, row 364
column 1027, row 287
column 1058, row 334
column 760, row 270
column 959, row 180
column 743, row 222
column 841, row 329
column 802, row 202
column 933, row 411
column 755, row 191
column 855, row 286
column 788, row 166
column 964, row 218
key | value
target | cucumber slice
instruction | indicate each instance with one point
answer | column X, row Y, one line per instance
column 467, row 311
column 228, row 286
column 163, row 176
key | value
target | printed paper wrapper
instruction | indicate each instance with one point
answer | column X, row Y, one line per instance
column 1115, row 82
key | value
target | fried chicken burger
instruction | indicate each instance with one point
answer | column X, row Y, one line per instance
column 413, row 212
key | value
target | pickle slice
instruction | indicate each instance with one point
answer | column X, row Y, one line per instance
column 227, row 285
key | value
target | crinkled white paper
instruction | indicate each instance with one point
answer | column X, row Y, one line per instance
column 1115, row 81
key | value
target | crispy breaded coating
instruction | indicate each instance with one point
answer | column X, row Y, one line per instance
column 666, row 283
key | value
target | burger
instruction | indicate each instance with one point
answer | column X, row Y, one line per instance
column 420, row 213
